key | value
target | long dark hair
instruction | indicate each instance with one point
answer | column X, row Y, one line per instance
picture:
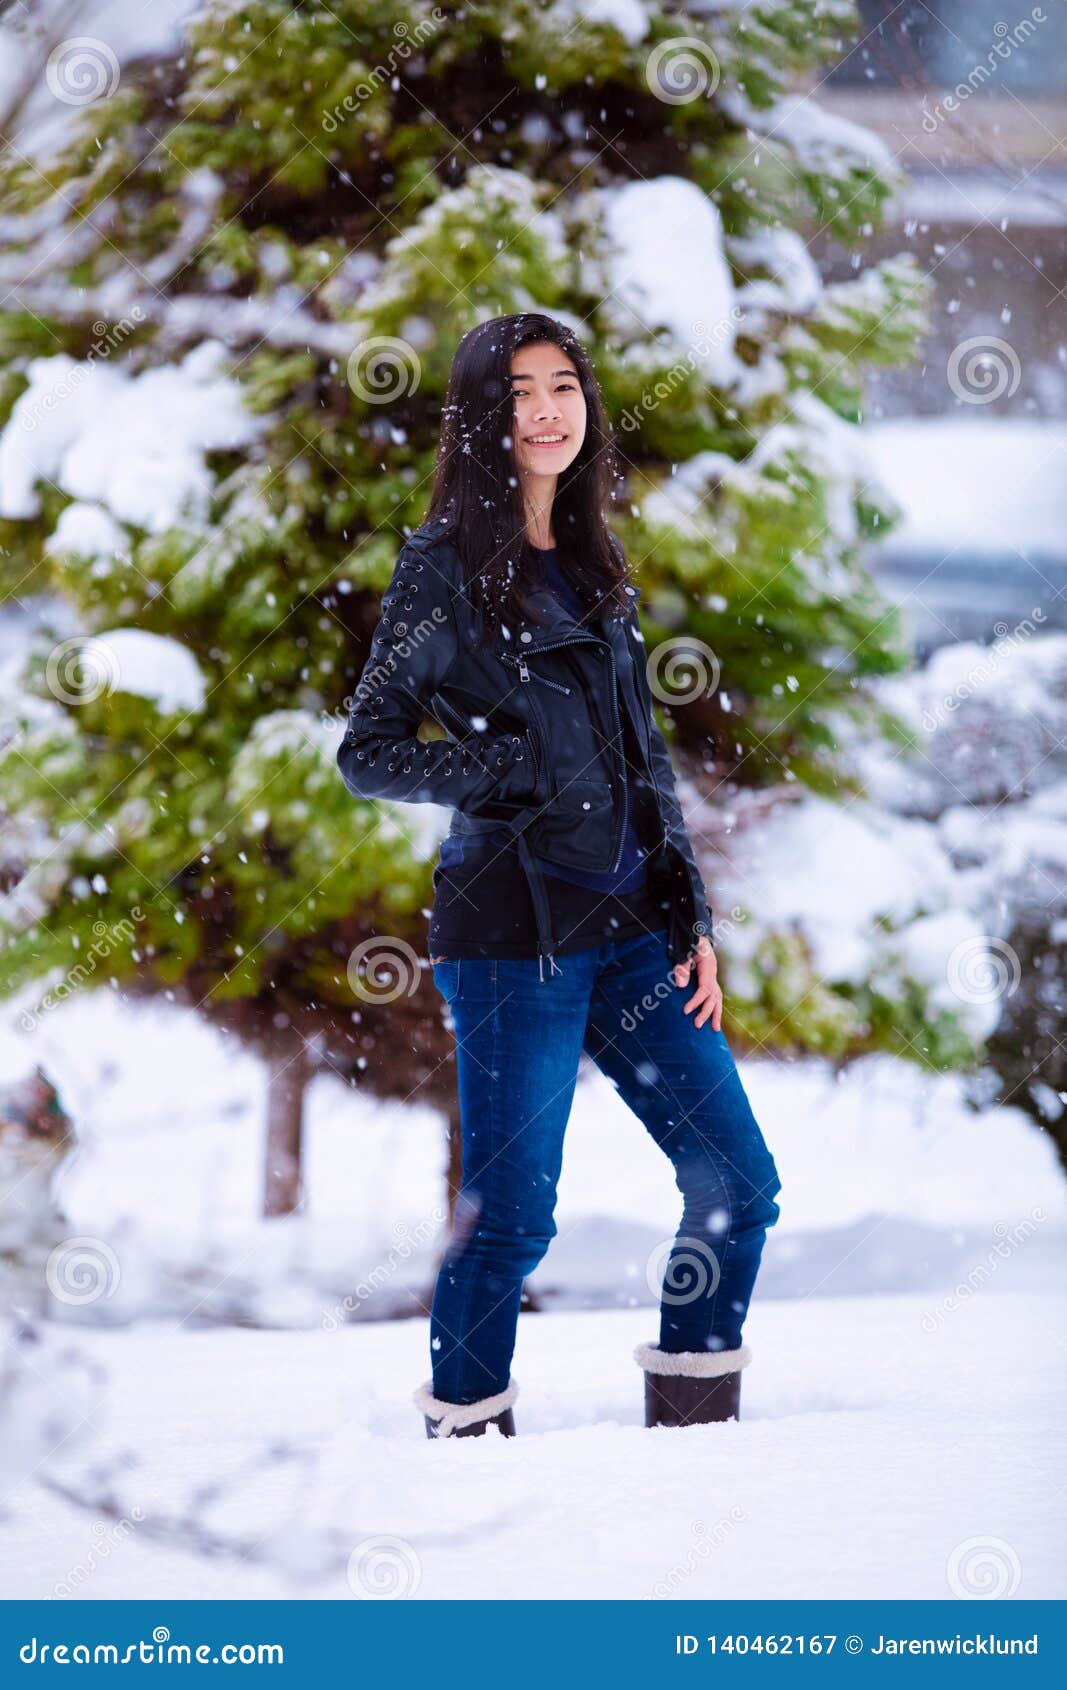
column 476, row 488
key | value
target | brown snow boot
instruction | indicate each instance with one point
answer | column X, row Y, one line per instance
column 476, row 1429
column 691, row 1387
column 467, row 1419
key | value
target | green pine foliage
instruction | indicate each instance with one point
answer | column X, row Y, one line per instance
column 337, row 194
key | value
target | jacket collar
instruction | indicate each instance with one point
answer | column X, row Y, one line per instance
column 558, row 624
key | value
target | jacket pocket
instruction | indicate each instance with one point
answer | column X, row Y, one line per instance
column 577, row 828
column 522, row 787
column 470, row 717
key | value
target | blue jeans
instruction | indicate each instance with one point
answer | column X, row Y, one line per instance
column 518, row 1043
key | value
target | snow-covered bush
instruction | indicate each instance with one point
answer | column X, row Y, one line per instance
column 219, row 404
column 849, row 931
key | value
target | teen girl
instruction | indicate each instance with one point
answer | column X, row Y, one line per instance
column 569, row 913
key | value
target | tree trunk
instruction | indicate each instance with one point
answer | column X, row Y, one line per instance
column 283, row 1186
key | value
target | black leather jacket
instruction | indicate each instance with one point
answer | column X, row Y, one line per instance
column 537, row 745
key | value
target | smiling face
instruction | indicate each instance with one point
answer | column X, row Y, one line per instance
column 550, row 414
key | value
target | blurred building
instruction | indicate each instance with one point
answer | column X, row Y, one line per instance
column 971, row 98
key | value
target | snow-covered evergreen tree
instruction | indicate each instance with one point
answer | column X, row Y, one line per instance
column 232, row 293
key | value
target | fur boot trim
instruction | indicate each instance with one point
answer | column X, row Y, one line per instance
column 452, row 1415
column 694, row 1364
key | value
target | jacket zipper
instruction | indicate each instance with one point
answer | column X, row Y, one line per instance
column 665, row 840
column 525, row 674
column 645, row 709
column 620, row 760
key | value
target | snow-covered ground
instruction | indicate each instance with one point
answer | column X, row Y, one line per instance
column 902, row 1418
column 881, row 1453
column 232, row 1417
column 890, row 1181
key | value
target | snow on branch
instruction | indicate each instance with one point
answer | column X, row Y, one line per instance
column 136, row 291
column 281, row 321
